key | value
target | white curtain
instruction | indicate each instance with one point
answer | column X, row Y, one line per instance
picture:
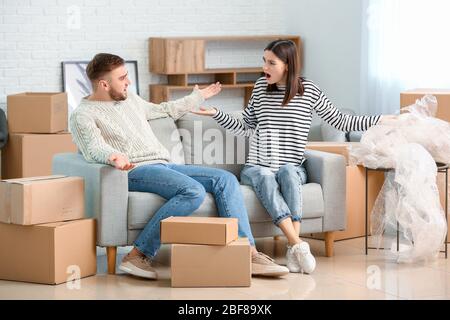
column 405, row 45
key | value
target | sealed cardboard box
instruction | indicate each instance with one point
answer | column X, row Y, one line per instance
column 442, row 95
column 37, row 112
column 40, row 200
column 48, row 253
column 211, row 266
column 30, row 155
column 199, row 230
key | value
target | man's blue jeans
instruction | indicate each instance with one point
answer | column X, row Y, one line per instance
column 281, row 192
column 184, row 187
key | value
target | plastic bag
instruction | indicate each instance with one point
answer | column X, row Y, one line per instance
column 410, row 144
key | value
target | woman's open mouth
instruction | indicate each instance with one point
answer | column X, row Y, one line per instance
column 267, row 76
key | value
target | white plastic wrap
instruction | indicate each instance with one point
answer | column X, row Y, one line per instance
column 411, row 145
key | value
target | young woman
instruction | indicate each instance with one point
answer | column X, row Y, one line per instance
column 278, row 119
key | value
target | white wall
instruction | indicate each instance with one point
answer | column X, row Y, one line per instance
column 331, row 33
column 36, row 35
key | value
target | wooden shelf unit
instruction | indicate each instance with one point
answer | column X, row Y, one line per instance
column 178, row 58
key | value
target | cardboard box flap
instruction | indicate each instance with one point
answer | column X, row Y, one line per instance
column 37, row 94
column 57, row 224
column 24, row 181
column 425, row 91
column 234, row 243
column 195, row 220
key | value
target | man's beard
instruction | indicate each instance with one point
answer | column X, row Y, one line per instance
column 117, row 96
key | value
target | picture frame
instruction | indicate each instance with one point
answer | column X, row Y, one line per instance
column 77, row 85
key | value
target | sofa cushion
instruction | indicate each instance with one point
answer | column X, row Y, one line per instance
column 208, row 144
column 142, row 206
column 167, row 133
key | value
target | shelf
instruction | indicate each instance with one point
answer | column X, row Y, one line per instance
column 235, row 70
column 182, row 59
column 203, row 85
column 233, row 38
column 180, row 55
column 160, row 93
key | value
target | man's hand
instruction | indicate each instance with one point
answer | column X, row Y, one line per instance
column 121, row 162
column 210, row 90
column 205, row 112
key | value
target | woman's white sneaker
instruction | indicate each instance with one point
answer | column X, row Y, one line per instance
column 292, row 261
column 300, row 259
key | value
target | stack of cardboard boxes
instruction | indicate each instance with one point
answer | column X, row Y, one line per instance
column 206, row 252
column 44, row 237
column 37, row 125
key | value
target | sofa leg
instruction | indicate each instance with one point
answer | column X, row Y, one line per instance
column 111, row 253
column 329, row 243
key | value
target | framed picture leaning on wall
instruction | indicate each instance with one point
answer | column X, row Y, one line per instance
column 77, row 85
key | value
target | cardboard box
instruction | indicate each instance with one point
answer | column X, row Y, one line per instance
column 30, row 155
column 212, row 266
column 441, row 187
column 342, row 148
column 355, row 190
column 48, row 253
column 199, row 230
column 41, row 200
column 37, row 112
column 443, row 98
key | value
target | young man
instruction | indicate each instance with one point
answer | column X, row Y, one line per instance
column 111, row 126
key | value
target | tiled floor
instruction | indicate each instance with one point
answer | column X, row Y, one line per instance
column 350, row 274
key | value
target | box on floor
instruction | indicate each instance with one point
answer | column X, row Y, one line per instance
column 441, row 188
column 48, row 253
column 211, row 266
column 355, row 190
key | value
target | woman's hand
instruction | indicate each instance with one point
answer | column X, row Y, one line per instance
column 205, row 111
column 211, row 90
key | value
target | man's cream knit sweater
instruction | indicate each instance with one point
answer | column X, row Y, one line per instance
column 101, row 128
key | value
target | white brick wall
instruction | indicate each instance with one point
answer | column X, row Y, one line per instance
column 36, row 35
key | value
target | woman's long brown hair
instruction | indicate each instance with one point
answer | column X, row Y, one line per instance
column 286, row 51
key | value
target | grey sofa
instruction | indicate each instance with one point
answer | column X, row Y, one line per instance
column 121, row 215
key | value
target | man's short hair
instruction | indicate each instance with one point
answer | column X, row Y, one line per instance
column 101, row 64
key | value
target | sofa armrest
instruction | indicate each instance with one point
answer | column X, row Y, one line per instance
column 328, row 170
column 105, row 192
